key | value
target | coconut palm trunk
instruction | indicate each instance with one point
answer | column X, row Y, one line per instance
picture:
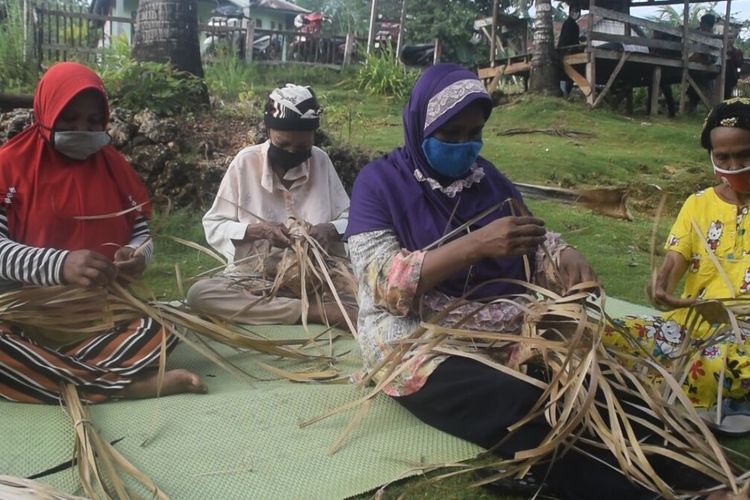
column 167, row 31
column 544, row 68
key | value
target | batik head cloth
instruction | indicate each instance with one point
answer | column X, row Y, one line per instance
column 733, row 112
column 292, row 107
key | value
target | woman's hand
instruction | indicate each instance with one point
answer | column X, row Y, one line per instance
column 500, row 238
column 660, row 289
column 275, row 232
column 509, row 236
column 325, row 234
column 574, row 269
column 129, row 263
column 87, row 269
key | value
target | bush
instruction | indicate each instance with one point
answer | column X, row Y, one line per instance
column 348, row 161
column 227, row 77
column 342, row 115
column 17, row 73
column 384, row 74
column 159, row 87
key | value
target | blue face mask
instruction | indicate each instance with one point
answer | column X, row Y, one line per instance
column 451, row 159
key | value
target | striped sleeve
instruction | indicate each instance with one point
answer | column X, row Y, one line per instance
column 26, row 264
column 141, row 238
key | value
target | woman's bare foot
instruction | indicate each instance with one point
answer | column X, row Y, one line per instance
column 176, row 381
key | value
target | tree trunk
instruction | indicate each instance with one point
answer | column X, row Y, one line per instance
column 544, row 69
column 167, row 31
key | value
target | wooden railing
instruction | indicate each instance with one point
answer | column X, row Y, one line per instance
column 659, row 39
column 65, row 32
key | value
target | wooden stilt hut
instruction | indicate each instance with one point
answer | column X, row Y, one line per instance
column 622, row 52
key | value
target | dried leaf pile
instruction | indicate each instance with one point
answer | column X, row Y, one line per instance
column 593, row 397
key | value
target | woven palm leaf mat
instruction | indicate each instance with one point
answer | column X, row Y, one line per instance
column 241, row 440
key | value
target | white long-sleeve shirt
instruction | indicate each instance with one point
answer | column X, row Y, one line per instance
column 250, row 188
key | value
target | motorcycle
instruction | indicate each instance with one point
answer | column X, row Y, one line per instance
column 386, row 35
column 305, row 46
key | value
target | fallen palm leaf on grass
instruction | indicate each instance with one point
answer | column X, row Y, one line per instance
column 611, row 202
column 557, row 132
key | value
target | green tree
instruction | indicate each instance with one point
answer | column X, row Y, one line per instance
column 673, row 15
column 743, row 40
column 17, row 71
column 451, row 21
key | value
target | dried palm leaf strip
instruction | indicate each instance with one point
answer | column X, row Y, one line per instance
column 94, row 310
column 100, row 465
column 570, row 403
column 16, row 488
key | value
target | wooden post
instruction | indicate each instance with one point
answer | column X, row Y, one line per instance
column 401, row 20
column 611, row 80
column 371, row 31
column 249, row 38
column 438, row 52
column 591, row 63
column 655, row 86
column 493, row 37
column 348, row 46
column 683, row 81
column 723, row 72
column 284, row 46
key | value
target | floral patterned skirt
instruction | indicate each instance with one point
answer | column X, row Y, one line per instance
column 663, row 336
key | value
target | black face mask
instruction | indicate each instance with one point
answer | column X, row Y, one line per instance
column 283, row 159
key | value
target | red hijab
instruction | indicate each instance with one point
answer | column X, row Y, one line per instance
column 45, row 194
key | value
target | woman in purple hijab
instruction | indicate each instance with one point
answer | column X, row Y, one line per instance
column 402, row 203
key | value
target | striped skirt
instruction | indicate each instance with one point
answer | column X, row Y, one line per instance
column 100, row 366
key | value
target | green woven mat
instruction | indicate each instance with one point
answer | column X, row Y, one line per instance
column 242, row 440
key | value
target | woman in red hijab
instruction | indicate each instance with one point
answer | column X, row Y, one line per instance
column 52, row 175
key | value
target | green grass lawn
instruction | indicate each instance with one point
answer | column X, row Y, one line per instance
column 649, row 155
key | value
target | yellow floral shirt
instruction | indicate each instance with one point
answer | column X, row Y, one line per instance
column 708, row 222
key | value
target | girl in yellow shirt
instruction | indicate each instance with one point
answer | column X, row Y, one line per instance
column 712, row 230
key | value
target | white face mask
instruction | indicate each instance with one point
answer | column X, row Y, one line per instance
column 80, row 145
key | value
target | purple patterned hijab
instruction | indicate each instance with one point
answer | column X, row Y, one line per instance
column 400, row 191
